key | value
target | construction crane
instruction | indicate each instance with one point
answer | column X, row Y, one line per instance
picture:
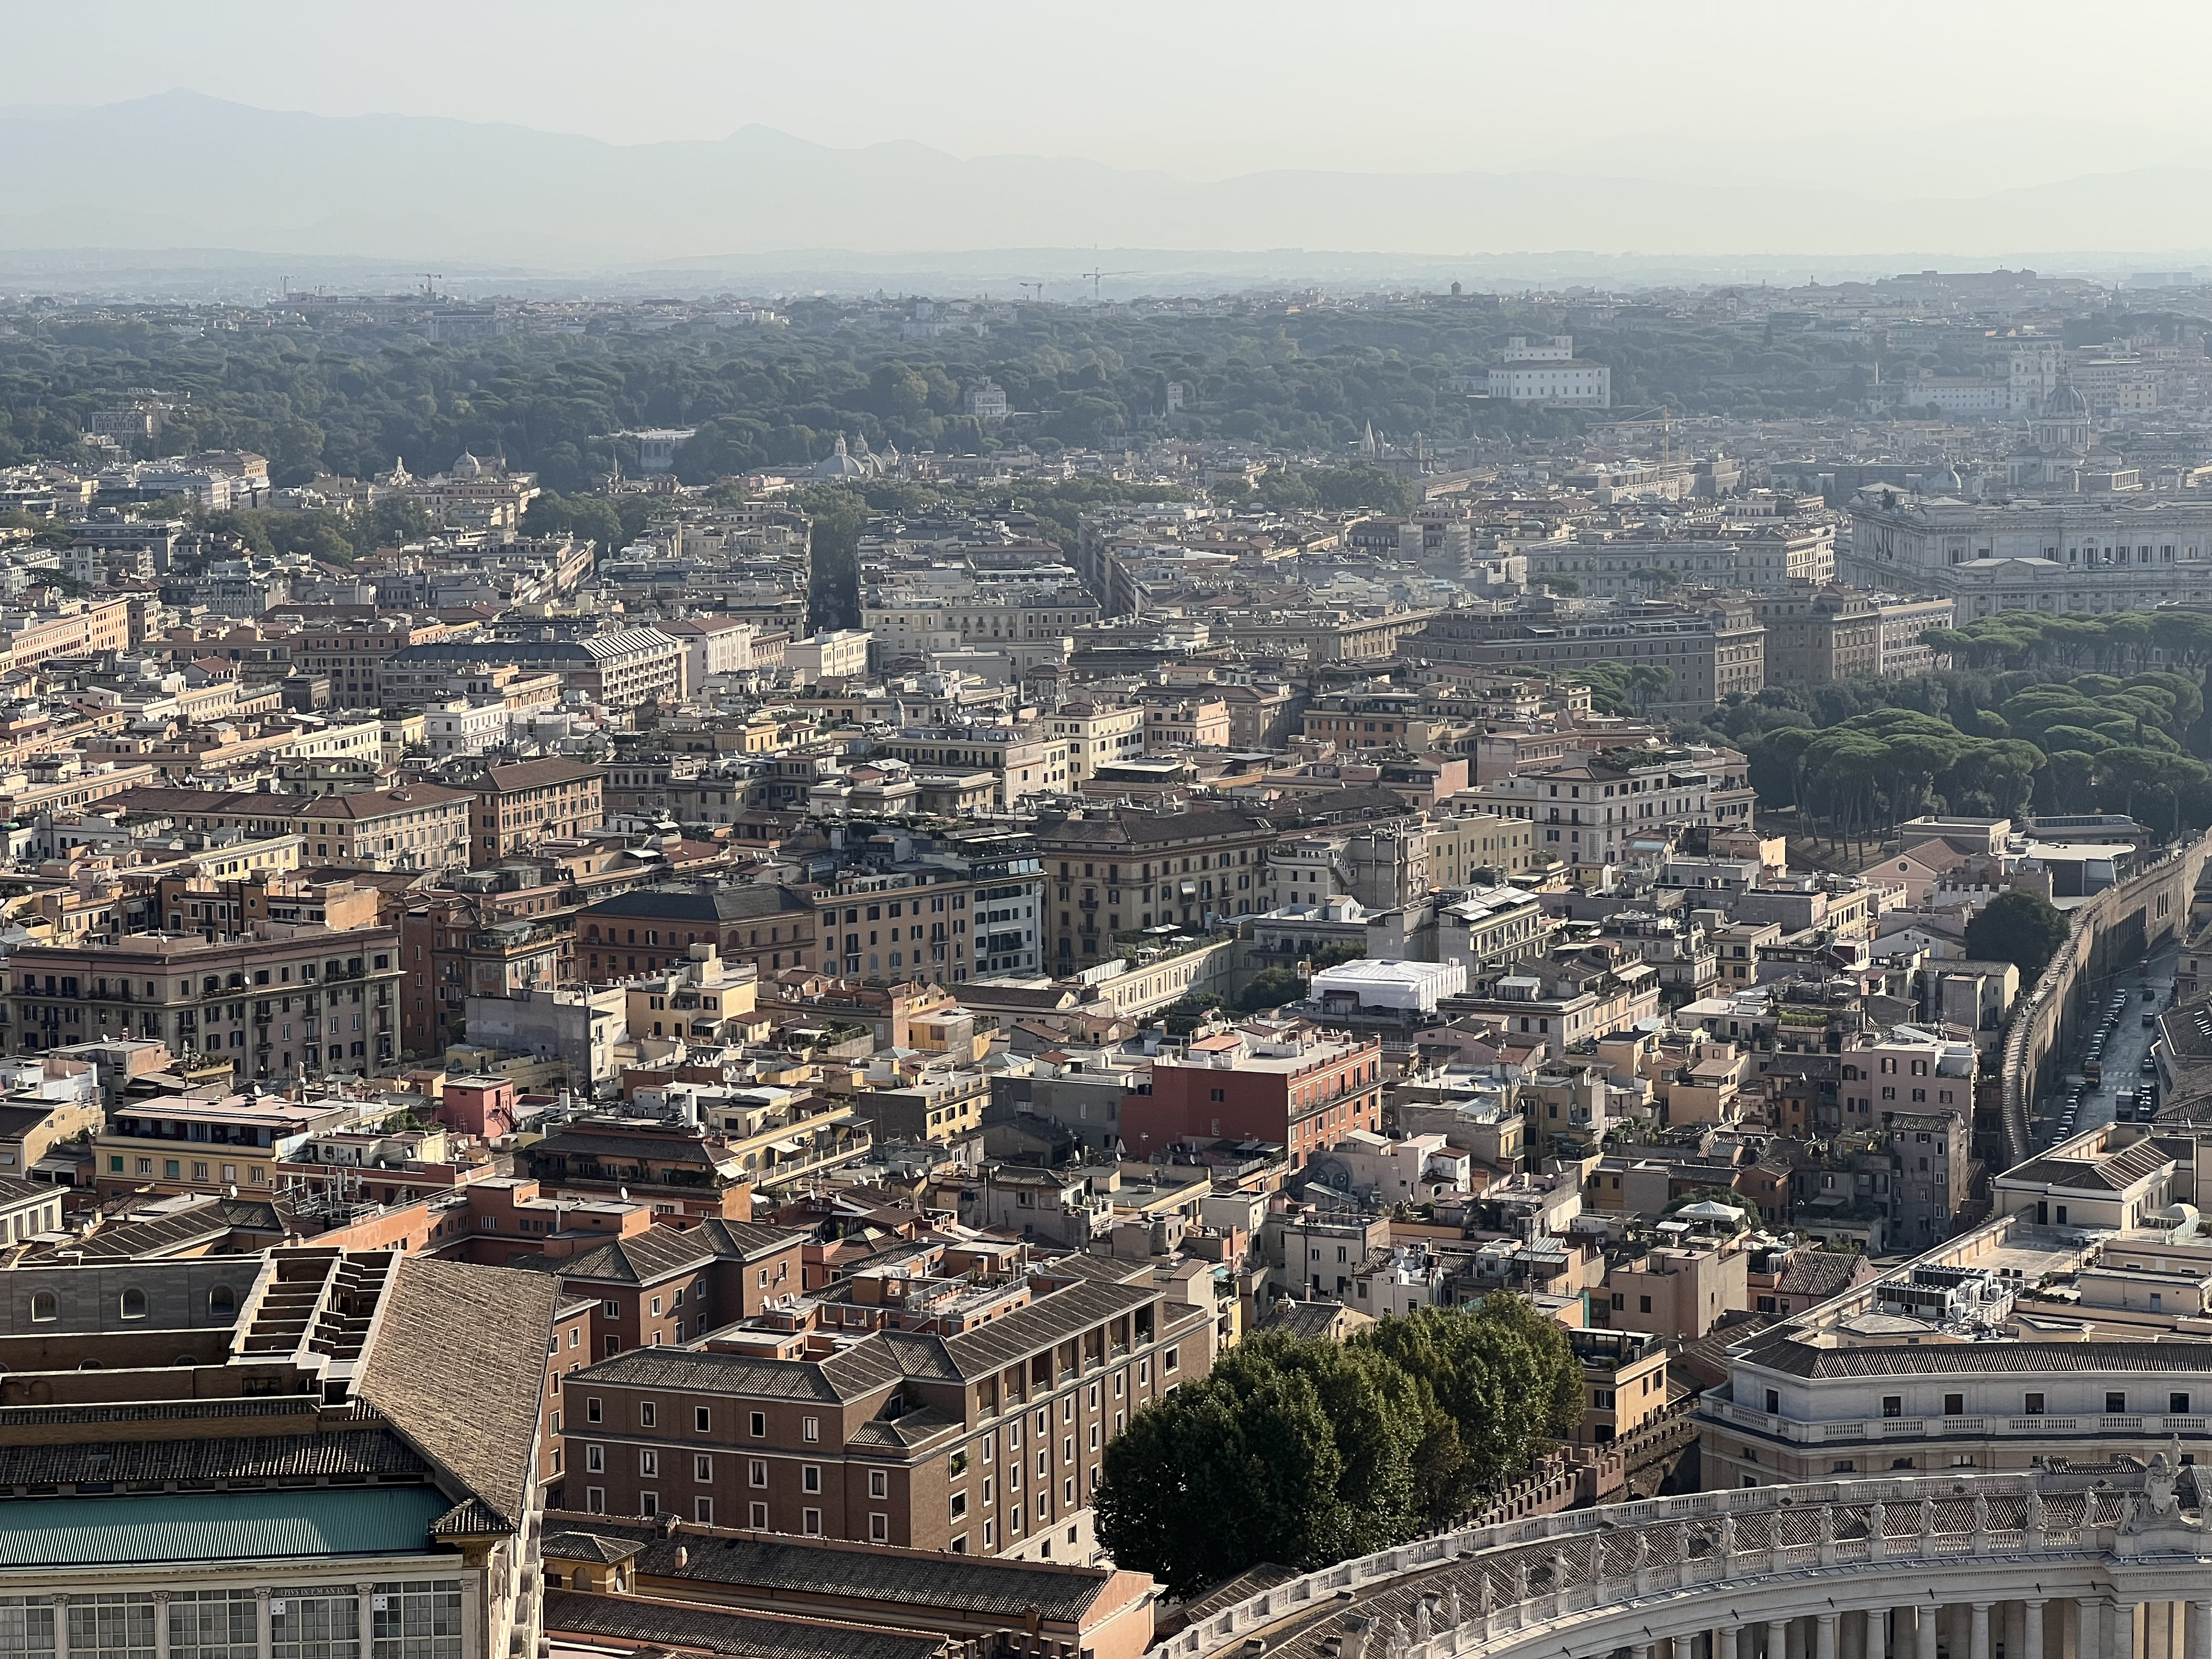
column 430, row 280
column 1038, row 296
column 1096, row 274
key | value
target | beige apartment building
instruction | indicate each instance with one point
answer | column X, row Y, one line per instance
column 283, row 1000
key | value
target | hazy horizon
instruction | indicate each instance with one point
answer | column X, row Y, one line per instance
column 1941, row 101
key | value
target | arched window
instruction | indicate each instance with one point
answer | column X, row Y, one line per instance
column 45, row 1306
column 134, row 1303
column 222, row 1300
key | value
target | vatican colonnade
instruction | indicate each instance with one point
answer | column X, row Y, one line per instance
column 2113, row 1562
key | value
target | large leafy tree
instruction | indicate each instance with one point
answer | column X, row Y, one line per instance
column 2021, row 927
column 1305, row 1451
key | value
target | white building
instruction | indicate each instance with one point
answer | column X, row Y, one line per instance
column 2085, row 553
column 838, row 655
column 1548, row 371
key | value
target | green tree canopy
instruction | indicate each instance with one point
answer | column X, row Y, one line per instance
column 1305, row 1450
column 2021, row 927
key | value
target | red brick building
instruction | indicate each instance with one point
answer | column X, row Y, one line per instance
column 1296, row 1087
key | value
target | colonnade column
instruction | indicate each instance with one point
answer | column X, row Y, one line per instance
column 2120, row 1638
column 2200, row 1630
column 1978, row 1644
column 1926, row 1611
column 1824, row 1640
column 1877, row 1633
column 1725, row 1647
column 2031, row 1632
column 1777, row 1639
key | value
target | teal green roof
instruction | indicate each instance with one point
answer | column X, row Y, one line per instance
column 224, row 1525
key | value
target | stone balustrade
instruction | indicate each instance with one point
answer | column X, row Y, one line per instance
column 2049, row 1564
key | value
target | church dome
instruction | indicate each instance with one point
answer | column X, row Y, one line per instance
column 468, row 466
column 2066, row 403
column 840, row 464
column 1944, row 481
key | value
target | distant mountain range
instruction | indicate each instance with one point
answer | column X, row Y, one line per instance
column 183, row 171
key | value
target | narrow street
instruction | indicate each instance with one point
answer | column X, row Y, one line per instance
column 2123, row 1055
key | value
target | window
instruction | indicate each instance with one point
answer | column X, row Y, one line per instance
column 206, row 1625
column 757, row 1472
column 810, row 1477
column 1893, row 1405
column 648, row 1504
column 759, row 1426
column 959, row 1504
column 2031, row 1405
column 1841, row 1466
column 703, row 1511
column 756, row 1516
column 1168, row 1360
column 645, row 1413
column 879, row 1528
column 1954, row 1404
column 595, row 1460
column 703, row 1468
column 45, row 1306
column 2178, row 1405
column 1773, row 1402
column 412, row 1618
column 2116, row 1403
column 879, row 1483
column 810, row 1522
column 811, row 1428
column 301, row 1627
column 702, row 1420
column 134, row 1303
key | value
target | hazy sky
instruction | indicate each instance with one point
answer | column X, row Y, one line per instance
column 1956, row 96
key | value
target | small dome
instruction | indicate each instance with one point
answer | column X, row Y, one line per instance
column 468, row 466
column 1944, row 481
column 2066, row 402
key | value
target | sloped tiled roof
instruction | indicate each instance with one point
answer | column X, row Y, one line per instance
column 458, row 1365
column 921, row 1578
column 351, row 1453
column 631, row 1620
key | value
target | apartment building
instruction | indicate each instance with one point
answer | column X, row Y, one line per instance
column 1097, row 735
column 1026, row 760
column 421, row 826
column 657, row 1286
column 1707, row 649
column 1815, row 636
column 947, row 906
column 1904, row 654
column 351, row 657
column 985, row 1443
column 1125, row 870
column 519, row 805
column 1589, row 811
column 650, row 928
column 621, row 667
column 186, row 1145
column 283, row 1000
column 1289, row 1087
